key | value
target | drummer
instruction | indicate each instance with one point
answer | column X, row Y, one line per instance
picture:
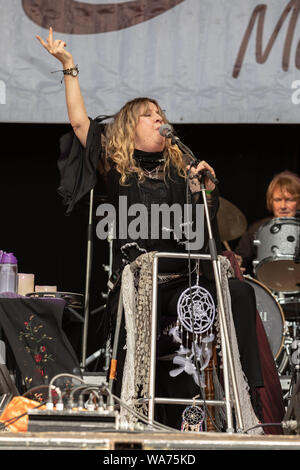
column 282, row 200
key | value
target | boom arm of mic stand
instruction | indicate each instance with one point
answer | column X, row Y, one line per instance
column 184, row 148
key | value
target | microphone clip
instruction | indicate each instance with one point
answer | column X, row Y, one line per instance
column 174, row 139
column 208, row 174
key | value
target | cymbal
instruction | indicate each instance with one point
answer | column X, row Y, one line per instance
column 231, row 221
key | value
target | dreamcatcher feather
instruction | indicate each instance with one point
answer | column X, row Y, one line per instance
column 193, row 331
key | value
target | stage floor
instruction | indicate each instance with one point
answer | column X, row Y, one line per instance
column 145, row 441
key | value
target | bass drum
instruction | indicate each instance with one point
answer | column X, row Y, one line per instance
column 271, row 315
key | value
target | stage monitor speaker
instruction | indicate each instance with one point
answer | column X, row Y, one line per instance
column 8, row 390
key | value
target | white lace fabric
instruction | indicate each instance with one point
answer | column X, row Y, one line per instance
column 136, row 291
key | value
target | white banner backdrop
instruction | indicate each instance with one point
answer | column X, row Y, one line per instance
column 206, row 61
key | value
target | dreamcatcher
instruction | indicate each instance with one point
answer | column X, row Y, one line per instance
column 192, row 418
column 193, row 331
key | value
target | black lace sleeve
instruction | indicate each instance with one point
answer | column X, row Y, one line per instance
column 79, row 166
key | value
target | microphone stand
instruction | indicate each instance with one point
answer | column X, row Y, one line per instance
column 87, row 281
column 228, row 365
column 85, row 361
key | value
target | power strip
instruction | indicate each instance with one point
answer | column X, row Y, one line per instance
column 92, row 378
column 71, row 420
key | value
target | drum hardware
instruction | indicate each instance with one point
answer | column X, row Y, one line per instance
column 294, row 379
column 296, row 354
column 284, row 361
column 291, row 420
column 289, row 359
column 290, row 302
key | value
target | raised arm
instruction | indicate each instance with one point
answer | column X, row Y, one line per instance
column 75, row 104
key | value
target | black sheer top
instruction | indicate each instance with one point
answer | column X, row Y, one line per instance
column 79, row 167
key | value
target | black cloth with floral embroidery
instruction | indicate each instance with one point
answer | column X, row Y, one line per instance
column 33, row 330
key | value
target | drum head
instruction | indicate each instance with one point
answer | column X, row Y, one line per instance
column 279, row 275
column 271, row 315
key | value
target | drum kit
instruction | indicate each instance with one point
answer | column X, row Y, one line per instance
column 276, row 283
column 277, row 268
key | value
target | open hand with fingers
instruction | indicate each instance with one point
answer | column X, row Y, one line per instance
column 75, row 104
column 56, row 47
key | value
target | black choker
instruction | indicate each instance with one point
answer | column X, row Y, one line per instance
column 148, row 160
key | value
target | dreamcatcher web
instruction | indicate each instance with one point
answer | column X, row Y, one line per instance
column 194, row 331
column 196, row 310
column 192, row 418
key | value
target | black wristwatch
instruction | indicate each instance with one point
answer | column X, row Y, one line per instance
column 74, row 71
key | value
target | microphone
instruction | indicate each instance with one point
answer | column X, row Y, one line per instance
column 166, row 131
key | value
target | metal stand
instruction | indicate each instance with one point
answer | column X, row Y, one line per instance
column 85, row 361
column 87, row 281
column 113, row 362
column 292, row 417
column 228, row 366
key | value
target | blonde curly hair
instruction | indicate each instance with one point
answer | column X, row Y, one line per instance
column 120, row 138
